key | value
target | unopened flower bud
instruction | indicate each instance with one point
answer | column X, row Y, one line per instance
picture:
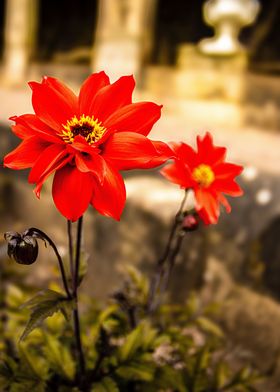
column 22, row 248
column 190, row 222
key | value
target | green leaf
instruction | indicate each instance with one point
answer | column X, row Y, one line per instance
column 21, row 376
column 132, row 343
column 209, row 326
column 149, row 336
column 221, row 374
column 192, row 305
column 14, row 297
column 7, row 373
column 28, row 385
column 105, row 385
column 202, row 360
column 59, row 357
column 32, row 365
column 108, row 312
column 44, row 305
column 167, row 377
column 7, row 368
column 142, row 338
column 137, row 370
column 245, row 377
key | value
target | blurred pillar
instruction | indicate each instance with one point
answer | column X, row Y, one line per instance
column 20, row 26
column 122, row 35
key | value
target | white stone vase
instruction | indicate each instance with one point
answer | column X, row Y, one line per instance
column 227, row 17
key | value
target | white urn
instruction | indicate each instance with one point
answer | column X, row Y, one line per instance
column 227, row 17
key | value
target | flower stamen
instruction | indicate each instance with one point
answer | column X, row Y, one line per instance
column 88, row 127
column 204, row 175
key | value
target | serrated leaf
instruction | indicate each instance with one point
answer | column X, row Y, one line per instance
column 209, row 326
column 44, row 305
column 105, row 385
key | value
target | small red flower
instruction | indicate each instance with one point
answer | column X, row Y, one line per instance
column 85, row 141
column 207, row 173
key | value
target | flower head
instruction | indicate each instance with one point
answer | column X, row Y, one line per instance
column 85, row 141
column 207, row 174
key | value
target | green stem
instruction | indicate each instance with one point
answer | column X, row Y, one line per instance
column 75, row 282
column 70, row 244
column 158, row 275
column 171, row 261
column 45, row 237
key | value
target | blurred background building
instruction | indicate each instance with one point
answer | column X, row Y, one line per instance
column 155, row 40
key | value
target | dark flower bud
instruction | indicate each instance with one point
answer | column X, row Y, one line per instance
column 22, row 248
column 190, row 222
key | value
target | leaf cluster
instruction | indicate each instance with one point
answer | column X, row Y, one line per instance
column 179, row 348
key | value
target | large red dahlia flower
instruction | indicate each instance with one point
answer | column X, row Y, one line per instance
column 207, row 173
column 85, row 141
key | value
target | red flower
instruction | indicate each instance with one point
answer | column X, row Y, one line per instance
column 207, row 173
column 85, row 141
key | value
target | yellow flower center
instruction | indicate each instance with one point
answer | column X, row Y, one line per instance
column 204, row 175
column 88, row 127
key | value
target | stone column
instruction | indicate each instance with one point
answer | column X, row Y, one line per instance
column 20, row 27
column 121, row 36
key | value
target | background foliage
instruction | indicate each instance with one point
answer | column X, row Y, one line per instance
column 177, row 348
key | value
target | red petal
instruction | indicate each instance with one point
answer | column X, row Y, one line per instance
column 229, row 187
column 109, row 198
column 185, row 153
column 72, row 191
column 51, row 106
column 20, row 131
column 46, row 161
column 207, row 152
column 178, row 173
column 112, row 97
column 225, row 203
column 207, row 206
column 93, row 163
column 136, row 117
column 65, row 91
column 203, row 214
column 26, row 154
column 227, row 170
column 33, row 126
column 127, row 150
column 89, row 89
column 58, row 164
column 80, row 144
column 164, row 153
